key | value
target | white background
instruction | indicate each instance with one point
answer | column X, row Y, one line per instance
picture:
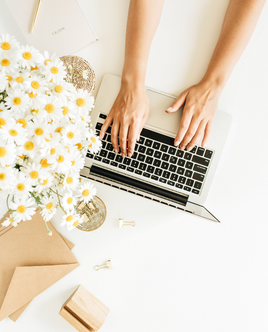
column 174, row 271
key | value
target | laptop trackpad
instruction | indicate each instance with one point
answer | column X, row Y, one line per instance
column 158, row 117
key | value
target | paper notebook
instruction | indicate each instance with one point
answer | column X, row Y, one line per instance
column 60, row 28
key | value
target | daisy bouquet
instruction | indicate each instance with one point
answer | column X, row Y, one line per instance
column 45, row 133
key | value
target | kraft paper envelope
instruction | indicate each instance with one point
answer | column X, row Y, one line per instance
column 30, row 262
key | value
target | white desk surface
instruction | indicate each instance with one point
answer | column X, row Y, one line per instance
column 174, row 271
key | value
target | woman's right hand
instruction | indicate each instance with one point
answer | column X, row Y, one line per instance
column 128, row 116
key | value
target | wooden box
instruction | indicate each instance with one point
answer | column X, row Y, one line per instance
column 84, row 311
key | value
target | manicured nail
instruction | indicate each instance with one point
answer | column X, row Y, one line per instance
column 129, row 154
column 176, row 143
column 123, row 155
column 168, row 109
column 101, row 136
column 189, row 148
column 182, row 148
column 116, row 150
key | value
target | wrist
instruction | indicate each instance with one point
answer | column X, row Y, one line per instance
column 216, row 80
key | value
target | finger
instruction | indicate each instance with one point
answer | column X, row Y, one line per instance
column 105, row 126
column 144, row 119
column 178, row 102
column 194, row 124
column 184, row 125
column 207, row 133
column 114, row 136
column 133, row 133
column 197, row 136
column 123, row 131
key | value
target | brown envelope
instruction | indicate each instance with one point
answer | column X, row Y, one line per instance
column 30, row 262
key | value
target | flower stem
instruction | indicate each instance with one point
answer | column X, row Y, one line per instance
column 9, row 211
column 60, row 202
column 56, row 193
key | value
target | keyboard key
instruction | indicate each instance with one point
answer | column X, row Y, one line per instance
column 103, row 144
column 200, row 160
column 103, row 153
column 171, row 183
column 208, row 154
column 149, row 160
column 109, row 130
column 188, row 173
column 200, row 151
column 187, row 156
column 136, row 147
column 200, row 169
column 97, row 158
column 148, row 143
column 164, row 165
column 164, row 148
column 157, row 162
column 130, row 169
column 180, row 170
column 111, row 155
column 149, row 152
column 105, row 137
column 109, row 147
column 181, row 162
column 137, row 171
column 195, row 191
column 134, row 156
column 108, row 138
column 197, row 185
column 142, row 166
column 190, row 182
column 158, row 172
column 189, row 165
column 174, row 177
column 141, row 157
column 166, row 174
column 98, row 126
column 172, row 168
column 172, row 150
column 179, row 153
column 113, row 163
column 153, row 177
column 134, row 163
column 142, row 149
column 156, row 145
column 119, row 158
column 187, row 188
column 173, row 160
column 102, row 116
column 97, row 132
column 122, row 166
column 163, row 180
column 157, row 154
column 165, row 157
column 179, row 186
column 193, row 149
column 141, row 140
column 127, row 161
column 182, row 179
column 90, row 155
column 150, row 169
column 147, row 175
column 198, row 177
column 106, row 161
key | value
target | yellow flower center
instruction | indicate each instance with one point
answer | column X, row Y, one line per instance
column 9, row 78
column 20, row 187
column 13, row 132
column 49, row 206
column 19, row 79
column 38, row 131
column 60, row 159
column 85, row 192
column 82, row 118
column 32, row 95
column 73, row 162
column 80, row 102
column 5, row 46
column 5, row 63
column 93, row 139
column 46, row 61
column 44, row 163
column 21, row 209
column 2, row 122
column 23, row 122
column 50, row 108
column 69, row 218
column 69, row 200
column 28, row 146
column 2, row 176
column 35, row 85
column 44, row 182
column 27, row 55
column 79, row 146
column 65, row 110
column 54, row 70
column 70, row 135
column 17, row 101
column 76, row 223
column 35, row 111
column 34, row 175
column 69, row 180
column 59, row 129
column 58, row 88
column 52, row 151
column 34, row 68
column 3, row 152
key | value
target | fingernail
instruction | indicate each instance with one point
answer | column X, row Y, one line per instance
column 116, row 150
column 129, row 154
column 189, row 148
column 101, row 136
column 182, row 147
column 176, row 143
column 123, row 155
column 138, row 138
column 168, row 109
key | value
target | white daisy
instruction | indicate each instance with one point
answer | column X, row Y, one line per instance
column 3, row 81
column 36, row 84
column 84, row 101
column 71, row 220
column 21, row 185
column 61, row 90
column 53, row 140
column 5, row 117
column 60, row 160
column 46, row 181
column 77, row 161
column 35, row 172
column 8, row 44
column 17, row 100
column 7, row 63
column 48, row 208
column 7, row 153
column 6, row 177
column 29, row 56
column 94, row 143
column 38, row 113
column 46, row 58
column 19, row 80
column 71, row 182
column 53, row 108
column 39, row 130
column 68, row 110
column 55, row 71
column 44, row 163
column 30, row 148
column 87, row 191
column 13, row 132
column 71, row 135
column 36, row 101
column 69, row 201
column 23, row 208
column 2, row 108
column 10, row 221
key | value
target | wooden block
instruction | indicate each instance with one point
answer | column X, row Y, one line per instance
column 84, row 311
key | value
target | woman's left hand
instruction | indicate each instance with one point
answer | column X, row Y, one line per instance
column 200, row 104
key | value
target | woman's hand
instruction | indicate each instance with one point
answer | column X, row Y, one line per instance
column 128, row 116
column 200, row 104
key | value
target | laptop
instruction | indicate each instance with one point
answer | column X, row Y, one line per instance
column 157, row 170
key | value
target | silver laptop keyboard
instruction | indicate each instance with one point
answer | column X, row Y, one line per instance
column 157, row 158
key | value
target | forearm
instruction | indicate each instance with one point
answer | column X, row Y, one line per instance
column 240, row 20
column 143, row 19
